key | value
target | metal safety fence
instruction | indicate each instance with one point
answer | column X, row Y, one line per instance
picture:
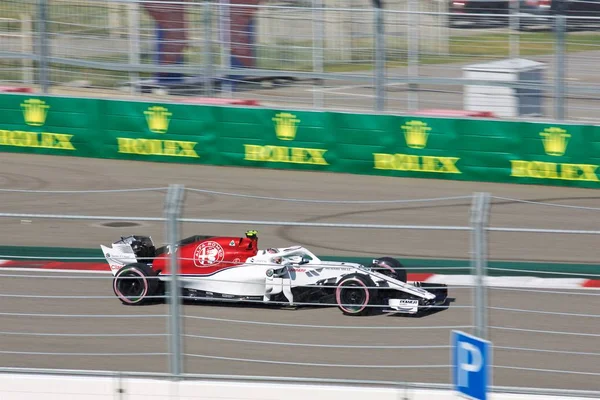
column 525, row 60
column 543, row 330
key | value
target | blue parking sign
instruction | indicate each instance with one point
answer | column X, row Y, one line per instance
column 471, row 358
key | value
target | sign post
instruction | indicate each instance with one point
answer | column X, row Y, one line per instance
column 470, row 357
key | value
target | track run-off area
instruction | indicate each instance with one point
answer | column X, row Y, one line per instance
column 543, row 336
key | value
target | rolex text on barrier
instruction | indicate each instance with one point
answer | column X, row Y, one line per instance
column 285, row 129
column 555, row 142
column 416, row 134
column 157, row 118
column 388, row 145
column 35, row 112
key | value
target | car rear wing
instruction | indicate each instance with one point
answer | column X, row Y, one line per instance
column 118, row 256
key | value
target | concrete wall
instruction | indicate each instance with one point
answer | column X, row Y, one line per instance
column 59, row 387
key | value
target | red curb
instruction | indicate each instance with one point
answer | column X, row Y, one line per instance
column 52, row 265
column 221, row 101
column 15, row 89
column 592, row 283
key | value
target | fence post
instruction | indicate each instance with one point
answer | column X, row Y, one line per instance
column 43, row 44
column 172, row 211
column 479, row 219
column 559, row 59
column 444, row 27
column 379, row 57
column 114, row 20
column 318, row 44
column 514, row 22
column 413, row 53
column 133, row 22
column 225, row 37
column 27, row 48
column 207, row 48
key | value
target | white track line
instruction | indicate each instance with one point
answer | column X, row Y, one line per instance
column 530, row 282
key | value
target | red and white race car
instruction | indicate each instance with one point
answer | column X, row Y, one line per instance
column 222, row 268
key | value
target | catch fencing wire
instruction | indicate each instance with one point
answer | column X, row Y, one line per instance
column 240, row 195
column 88, row 191
column 536, row 331
column 55, row 336
column 493, row 327
column 559, row 230
column 280, row 328
column 157, row 219
column 565, row 305
column 543, row 203
column 537, row 272
column 333, row 202
column 73, row 320
column 249, row 343
column 583, row 324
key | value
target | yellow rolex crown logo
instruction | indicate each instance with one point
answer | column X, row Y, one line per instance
column 158, row 119
column 416, row 134
column 286, row 125
column 555, row 141
column 35, row 112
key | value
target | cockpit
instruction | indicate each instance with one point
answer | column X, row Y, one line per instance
column 295, row 255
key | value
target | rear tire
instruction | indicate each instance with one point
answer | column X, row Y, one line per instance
column 135, row 283
column 354, row 295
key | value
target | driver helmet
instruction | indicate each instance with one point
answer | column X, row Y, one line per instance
column 385, row 264
column 295, row 259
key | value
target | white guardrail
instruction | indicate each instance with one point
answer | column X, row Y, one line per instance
column 65, row 387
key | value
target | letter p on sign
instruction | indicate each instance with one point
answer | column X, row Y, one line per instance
column 467, row 364
column 470, row 365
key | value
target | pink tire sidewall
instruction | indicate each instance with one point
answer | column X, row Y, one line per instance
column 122, row 297
column 338, row 294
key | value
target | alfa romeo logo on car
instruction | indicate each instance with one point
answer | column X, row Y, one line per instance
column 207, row 254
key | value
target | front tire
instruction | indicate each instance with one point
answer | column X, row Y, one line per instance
column 355, row 294
column 135, row 283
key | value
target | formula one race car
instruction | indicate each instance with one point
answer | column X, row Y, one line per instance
column 234, row 269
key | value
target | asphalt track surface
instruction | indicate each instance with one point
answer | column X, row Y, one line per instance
column 39, row 309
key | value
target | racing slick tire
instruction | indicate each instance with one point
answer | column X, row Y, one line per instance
column 355, row 295
column 135, row 283
column 391, row 267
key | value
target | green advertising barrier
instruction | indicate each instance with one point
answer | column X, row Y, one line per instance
column 31, row 125
column 446, row 148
